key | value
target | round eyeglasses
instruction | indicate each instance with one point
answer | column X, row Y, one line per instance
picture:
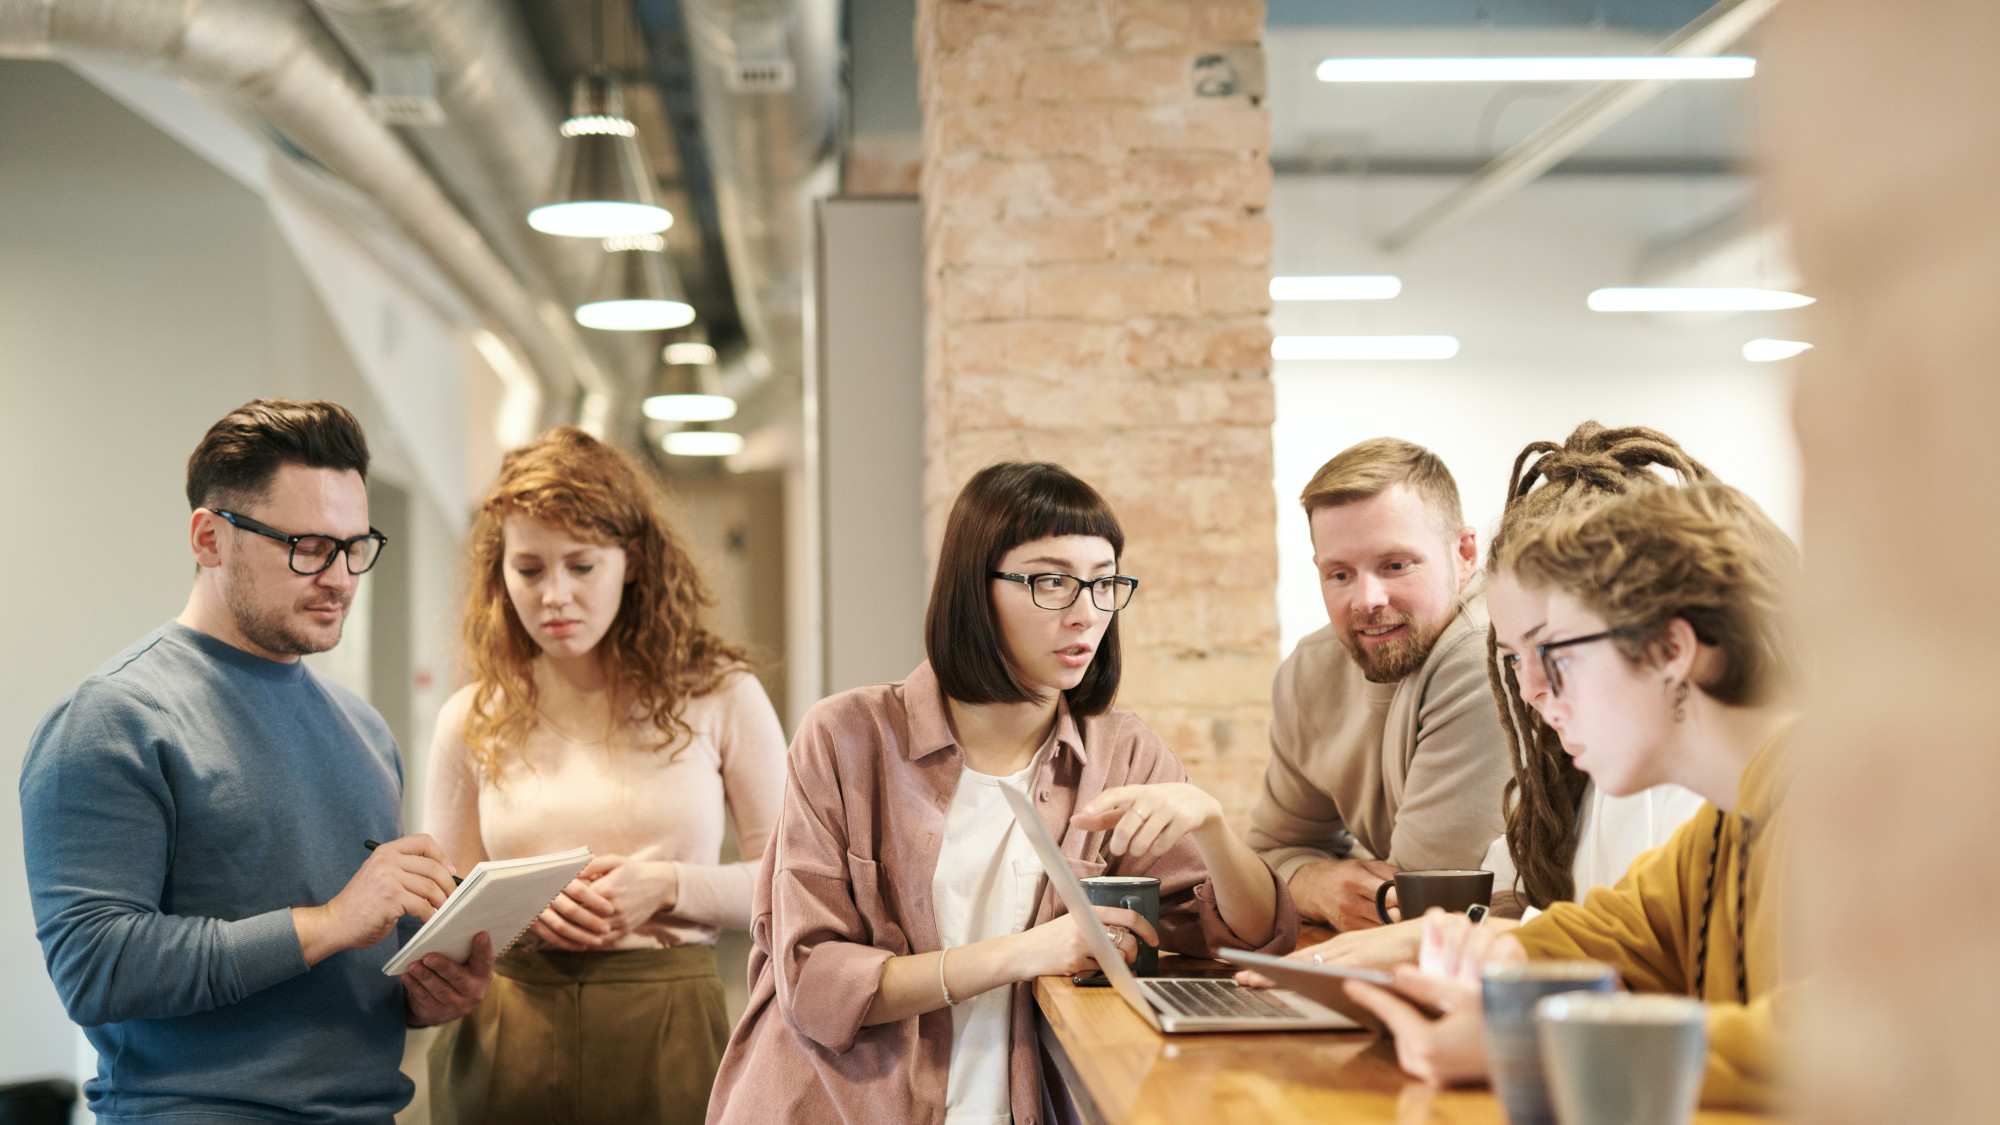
column 1060, row 591
column 313, row 554
column 1553, row 666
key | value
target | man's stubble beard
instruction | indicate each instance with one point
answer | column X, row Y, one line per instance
column 270, row 628
column 1386, row 664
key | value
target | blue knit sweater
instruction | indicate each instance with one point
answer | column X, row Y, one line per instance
column 176, row 805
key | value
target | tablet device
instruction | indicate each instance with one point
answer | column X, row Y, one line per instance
column 1326, row 984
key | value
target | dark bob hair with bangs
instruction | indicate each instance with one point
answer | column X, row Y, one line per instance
column 1000, row 508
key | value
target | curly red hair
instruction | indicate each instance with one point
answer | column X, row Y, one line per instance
column 656, row 654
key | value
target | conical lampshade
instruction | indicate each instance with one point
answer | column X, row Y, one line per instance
column 635, row 290
column 688, row 393
column 602, row 186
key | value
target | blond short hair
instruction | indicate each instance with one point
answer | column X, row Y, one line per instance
column 1370, row 468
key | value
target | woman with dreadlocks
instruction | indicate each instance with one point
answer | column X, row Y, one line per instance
column 1564, row 835
column 1666, row 659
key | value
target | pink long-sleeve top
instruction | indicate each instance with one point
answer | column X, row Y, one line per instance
column 626, row 796
column 846, row 885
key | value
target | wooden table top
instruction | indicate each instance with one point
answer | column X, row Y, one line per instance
column 1137, row 1076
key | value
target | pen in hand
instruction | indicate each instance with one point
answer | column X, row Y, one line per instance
column 371, row 845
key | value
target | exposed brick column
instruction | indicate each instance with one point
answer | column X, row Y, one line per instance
column 1095, row 175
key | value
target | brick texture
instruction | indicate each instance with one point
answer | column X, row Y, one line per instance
column 1098, row 270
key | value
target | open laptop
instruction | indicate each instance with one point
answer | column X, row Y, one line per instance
column 1170, row 1004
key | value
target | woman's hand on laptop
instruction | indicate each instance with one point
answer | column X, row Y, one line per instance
column 1058, row 947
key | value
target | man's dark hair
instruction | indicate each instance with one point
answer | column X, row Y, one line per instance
column 240, row 454
column 1000, row 508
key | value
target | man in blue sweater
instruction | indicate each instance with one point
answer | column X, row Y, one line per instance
column 195, row 813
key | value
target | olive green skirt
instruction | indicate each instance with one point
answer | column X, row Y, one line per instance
column 578, row 1038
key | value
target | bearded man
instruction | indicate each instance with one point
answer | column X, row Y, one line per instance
column 1386, row 747
column 197, row 813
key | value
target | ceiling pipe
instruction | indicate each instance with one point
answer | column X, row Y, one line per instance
column 273, row 56
column 768, row 76
column 1710, row 34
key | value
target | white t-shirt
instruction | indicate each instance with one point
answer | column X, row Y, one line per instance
column 1611, row 833
column 987, row 882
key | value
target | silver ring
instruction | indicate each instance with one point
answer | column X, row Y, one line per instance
column 1316, row 960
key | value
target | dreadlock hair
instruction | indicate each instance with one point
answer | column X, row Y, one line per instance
column 1544, row 799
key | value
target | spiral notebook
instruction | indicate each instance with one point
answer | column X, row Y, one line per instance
column 501, row 897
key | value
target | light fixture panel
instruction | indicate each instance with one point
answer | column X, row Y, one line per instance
column 1345, row 287
column 1707, row 298
column 1364, row 347
column 1766, row 350
column 1667, row 68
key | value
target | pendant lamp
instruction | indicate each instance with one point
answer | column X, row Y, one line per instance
column 602, row 188
column 688, row 392
column 635, row 289
column 699, row 441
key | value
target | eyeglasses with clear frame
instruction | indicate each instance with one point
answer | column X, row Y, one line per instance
column 1055, row 590
column 313, row 554
column 1552, row 665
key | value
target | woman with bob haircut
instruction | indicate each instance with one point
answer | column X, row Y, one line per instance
column 600, row 713
column 1668, row 659
column 899, row 901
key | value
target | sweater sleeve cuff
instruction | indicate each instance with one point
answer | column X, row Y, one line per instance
column 836, row 985
column 1287, row 861
column 263, row 950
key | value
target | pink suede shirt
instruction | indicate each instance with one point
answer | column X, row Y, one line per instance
column 846, row 884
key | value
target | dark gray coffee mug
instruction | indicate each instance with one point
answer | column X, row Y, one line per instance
column 1141, row 895
column 1418, row 891
column 1513, row 1040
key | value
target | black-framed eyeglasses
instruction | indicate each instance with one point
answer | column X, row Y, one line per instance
column 312, row 554
column 1060, row 591
column 1552, row 666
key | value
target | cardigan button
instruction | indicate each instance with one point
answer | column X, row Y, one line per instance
column 1045, row 800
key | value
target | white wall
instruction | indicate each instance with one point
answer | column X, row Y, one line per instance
column 1534, row 362
column 143, row 294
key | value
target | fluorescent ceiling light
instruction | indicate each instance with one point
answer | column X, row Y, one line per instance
column 688, row 352
column 1765, row 350
column 689, row 408
column 702, row 443
column 634, row 316
column 1584, row 69
column 1352, row 287
column 1716, row 298
column 1364, row 347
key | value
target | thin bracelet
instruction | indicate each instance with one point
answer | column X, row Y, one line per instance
column 942, row 986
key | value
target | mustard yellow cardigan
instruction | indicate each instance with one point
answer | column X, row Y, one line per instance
column 1649, row 925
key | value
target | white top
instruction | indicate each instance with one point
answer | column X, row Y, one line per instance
column 986, row 885
column 627, row 796
column 1611, row 833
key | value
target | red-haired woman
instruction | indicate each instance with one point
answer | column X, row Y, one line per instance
column 600, row 713
column 901, row 914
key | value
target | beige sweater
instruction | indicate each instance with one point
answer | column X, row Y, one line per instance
column 1410, row 772
column 626, row 800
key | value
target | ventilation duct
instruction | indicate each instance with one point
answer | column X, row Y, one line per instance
column 271, row 56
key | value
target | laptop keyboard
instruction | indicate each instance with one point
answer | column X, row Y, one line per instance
column 1218, row 999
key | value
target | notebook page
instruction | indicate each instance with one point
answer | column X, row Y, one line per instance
column 501, row 898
